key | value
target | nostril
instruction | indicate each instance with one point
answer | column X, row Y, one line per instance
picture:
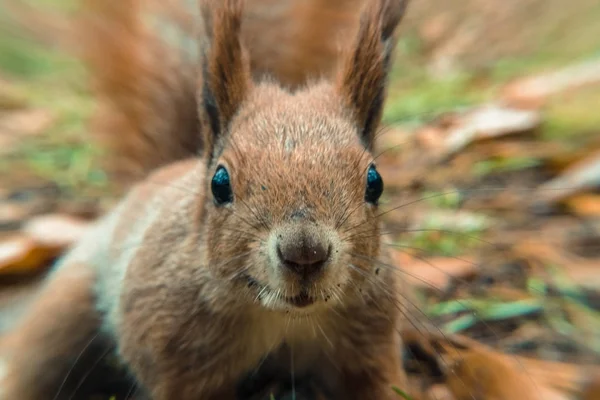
column 303, row 258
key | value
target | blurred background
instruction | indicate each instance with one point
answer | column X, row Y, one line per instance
column 490, row 152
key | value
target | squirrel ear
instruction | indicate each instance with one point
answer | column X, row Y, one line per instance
column 226, row 69
column 362, row 78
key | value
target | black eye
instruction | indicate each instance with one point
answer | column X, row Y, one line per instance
column 221, row 187
column 374, row 186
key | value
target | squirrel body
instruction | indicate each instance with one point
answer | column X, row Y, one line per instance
column 264, row 253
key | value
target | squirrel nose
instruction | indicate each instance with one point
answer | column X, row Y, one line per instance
column 303, row 257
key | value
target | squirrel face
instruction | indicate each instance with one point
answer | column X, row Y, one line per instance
column 294, row 195
column 292, row 188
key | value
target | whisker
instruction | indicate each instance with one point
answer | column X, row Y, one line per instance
column 84, row 377
column 394, row 268
column 380, row 131
column 292, row 371
column 412, row 321
column 132, row 390
column 420, row 230
column 324, row 334
column 244, row 220
column 172, row 186
column 260, row 218
column 88, row 344
column 433, row 196
column 247, row 234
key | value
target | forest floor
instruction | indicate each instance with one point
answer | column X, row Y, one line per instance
column 492, row 174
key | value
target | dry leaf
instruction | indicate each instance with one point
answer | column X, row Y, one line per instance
column 444, row 57
column 15, row 124
column 43, row 239
column 11, row 215
column 21, row 254
column 28, row 122
column 451, row 220
column 566, row 157
column 433, row 273
column 506, row 293
column 489, row 122
column 440, row 392
column 581, row 176
column 584, row 273
column 10, row 97
column 534, row 91
column 56, row 230
column 431, row 138
column 519, row 149
column 581, row 271
column 586, row 205
column 434, row 29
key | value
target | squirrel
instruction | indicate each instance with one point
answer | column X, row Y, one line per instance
column 261, row 253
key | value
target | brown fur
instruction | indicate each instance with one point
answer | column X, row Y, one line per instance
column 191, row 293
column 145, row 87
column 364, row 67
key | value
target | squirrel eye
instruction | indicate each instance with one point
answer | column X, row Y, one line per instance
column 374, row 186
column 221, row 186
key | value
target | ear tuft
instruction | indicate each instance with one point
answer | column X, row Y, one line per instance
column 226, row 69
column 362, row 78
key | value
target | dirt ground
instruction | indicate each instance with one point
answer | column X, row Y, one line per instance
column 490, row 153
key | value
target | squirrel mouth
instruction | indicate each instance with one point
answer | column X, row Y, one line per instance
column 300, row 301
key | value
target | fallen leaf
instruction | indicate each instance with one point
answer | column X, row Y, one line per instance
column 506, row 293
column 21, row 254
column 434, row 29
column 520, row 149
column 16, row 124
column 38, row 197
column 586, row 205
column 431, row 138
column 526, row 334
column 11, row 215
column 534, row 91
column 433, row 273
column 563, row 159
column 579, row 177
column 440, row 392
column 585, row 273
column 28, row 122
column 56, row 230
column 10, row 97
column 445, row 56
column 581, row 271
column 489, row 122
column 450, row 220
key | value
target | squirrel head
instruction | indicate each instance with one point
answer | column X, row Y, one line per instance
column 292, row 187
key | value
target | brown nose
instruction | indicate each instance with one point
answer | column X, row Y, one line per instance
column 303, row 256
